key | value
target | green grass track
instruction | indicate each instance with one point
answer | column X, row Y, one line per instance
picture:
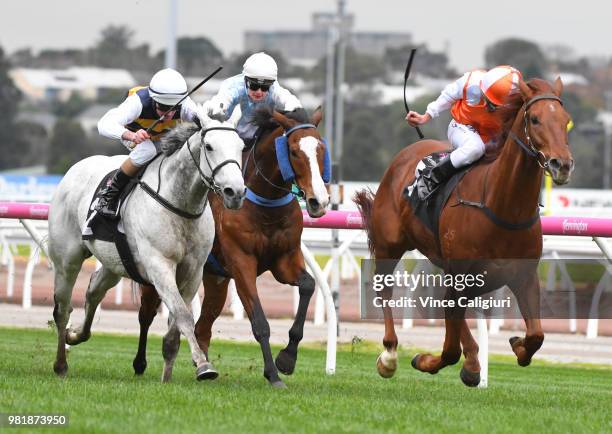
column 101, row 394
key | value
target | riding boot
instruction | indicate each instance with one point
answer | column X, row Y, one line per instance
column 432, row 178
column 109, row 199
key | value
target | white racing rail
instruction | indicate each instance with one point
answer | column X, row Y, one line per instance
column 352, row 245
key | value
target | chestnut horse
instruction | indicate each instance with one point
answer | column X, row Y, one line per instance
column 264, row 235
column 506, row 227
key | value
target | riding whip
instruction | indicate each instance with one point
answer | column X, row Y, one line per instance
column 406, row 74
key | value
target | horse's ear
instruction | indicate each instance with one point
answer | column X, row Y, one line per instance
column 317, row 116
column 558, row 86
column 526, row 91
column 202, row 112
column 281, row 119
column 236, row 115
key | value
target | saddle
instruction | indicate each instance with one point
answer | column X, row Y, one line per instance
column 97, row 227
column 428, row 211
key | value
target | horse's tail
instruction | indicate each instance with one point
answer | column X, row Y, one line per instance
column 364, row 200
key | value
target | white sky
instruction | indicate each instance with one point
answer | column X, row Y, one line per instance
column 467, row 27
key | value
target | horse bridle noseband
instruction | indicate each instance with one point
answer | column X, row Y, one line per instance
column 209, row 181
column 529, row 148
column 300, row 193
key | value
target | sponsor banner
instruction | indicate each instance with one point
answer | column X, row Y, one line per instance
column 499, row 288
column 23, row 188
column 569, row 201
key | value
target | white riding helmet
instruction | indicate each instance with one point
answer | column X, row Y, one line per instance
column 260, row 67
column 167, row 87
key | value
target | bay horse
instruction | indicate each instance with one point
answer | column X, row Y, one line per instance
column 505, row 225
column 264, row 235
column 170, row 233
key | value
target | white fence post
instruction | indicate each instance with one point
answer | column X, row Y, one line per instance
column 330, row 364
column 483, row 352
column 235, row 303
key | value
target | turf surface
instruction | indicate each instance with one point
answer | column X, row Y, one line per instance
column 101, row 394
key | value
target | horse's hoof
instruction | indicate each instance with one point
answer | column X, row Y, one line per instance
column 386, row 365
column 285, row 363
column 415, row 361
column 139, row 366
column 61, row 369
column 206, row 371
column 74, row 338
column 278, row 384
column 469, row 378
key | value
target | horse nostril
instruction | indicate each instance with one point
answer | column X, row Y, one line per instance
column 229, row 192
column 313, row 203
column 554, row 163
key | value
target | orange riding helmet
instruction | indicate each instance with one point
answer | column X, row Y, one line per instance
column 499, row 83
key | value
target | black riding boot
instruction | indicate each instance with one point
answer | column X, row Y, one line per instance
column 109, row 200
column 431, row 179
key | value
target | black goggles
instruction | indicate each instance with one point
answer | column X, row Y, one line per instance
column 253, row 85
column 166, row 108
column 490, row 106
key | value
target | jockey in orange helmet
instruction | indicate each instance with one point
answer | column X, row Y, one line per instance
column 473, row 100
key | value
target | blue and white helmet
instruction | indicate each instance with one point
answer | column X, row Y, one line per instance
column 260, row 67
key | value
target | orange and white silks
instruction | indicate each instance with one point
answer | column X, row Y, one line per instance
column 469, row 111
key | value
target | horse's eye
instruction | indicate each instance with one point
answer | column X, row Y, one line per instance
column 294, row 153
column 535, row 120
column 208, row 147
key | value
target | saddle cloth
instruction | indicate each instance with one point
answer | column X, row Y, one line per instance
column 428, row 211
column 96, row 227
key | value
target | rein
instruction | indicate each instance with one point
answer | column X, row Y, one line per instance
column 208, row 181
column 531, row 151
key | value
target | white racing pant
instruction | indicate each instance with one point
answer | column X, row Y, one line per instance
column 466, row 143
column 142, row 153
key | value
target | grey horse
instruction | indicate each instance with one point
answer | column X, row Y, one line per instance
column 169, row 249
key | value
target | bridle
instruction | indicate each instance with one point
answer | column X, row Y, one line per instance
column 299, row 193
column 530, row 148
column 208, row 181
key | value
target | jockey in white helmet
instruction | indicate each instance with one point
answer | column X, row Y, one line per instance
column 130, row 120
column 473, row 100
column 256, row 87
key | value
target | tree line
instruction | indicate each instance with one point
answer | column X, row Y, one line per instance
column 374, row 132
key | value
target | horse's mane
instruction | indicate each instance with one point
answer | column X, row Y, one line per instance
column 263, row 119
column 177, row 137
column 509, row 111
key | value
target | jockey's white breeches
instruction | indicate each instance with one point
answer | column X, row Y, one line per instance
column 142, row 153
column 466, row 143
